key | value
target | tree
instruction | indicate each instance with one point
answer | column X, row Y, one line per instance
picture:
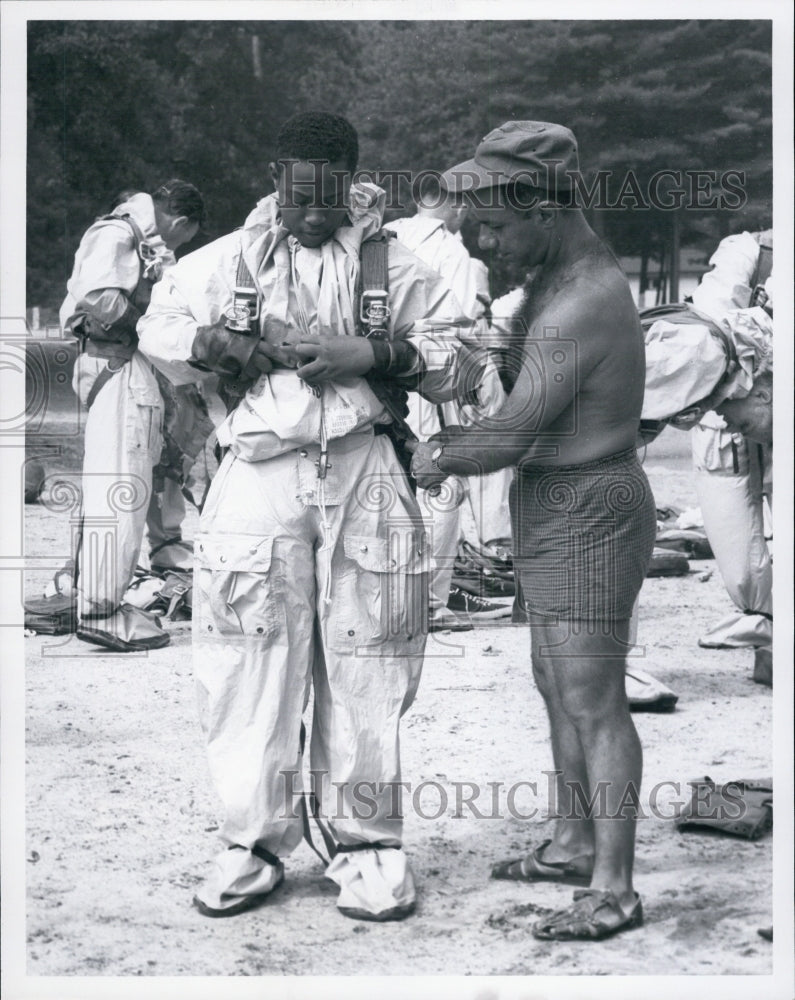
column 114, row 105
column 120, row 104
column 641, row 97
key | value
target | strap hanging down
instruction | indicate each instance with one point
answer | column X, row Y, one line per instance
column 325, row 833
column 100, row 381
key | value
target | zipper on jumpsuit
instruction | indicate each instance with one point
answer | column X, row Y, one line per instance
column 322, row 463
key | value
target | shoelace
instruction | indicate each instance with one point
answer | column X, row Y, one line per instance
column 472, row 599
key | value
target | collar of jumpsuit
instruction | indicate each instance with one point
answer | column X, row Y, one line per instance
column 304, row 291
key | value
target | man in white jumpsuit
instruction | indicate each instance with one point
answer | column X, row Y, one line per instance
column 311, row 562
column 732, row 471
column 116, row 264
column 433, row 234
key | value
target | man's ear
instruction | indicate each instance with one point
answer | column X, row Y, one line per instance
column 764, row 392
column 273, row 170
column 547, row 214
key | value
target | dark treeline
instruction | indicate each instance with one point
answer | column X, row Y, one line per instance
column 114, row 105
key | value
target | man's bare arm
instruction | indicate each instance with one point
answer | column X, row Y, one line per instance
column 564, row 346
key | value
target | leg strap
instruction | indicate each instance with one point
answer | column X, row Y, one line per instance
column 99, row 382
column 263, row 855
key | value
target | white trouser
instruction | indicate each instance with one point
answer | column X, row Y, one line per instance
column 446, row 518
column 488, row 498
column 123, row 441
column 281, row 601
column 729, row 483
column 441, row 515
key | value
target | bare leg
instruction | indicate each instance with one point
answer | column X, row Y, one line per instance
column 582, row 673
column 573, row 835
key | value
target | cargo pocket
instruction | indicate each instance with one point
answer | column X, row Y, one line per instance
column 380, row 592
column 236, row 590
column 719, row 451
column 144, row 420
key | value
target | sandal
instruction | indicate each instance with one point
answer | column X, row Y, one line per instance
column 594, row 915
column 531, row 868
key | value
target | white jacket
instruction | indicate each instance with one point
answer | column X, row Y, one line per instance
column 107, row 267
column 443, row 251
column 302, row 291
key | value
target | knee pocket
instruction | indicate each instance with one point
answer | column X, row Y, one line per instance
column 380, row 594
column 237, row 590
column 144, row 419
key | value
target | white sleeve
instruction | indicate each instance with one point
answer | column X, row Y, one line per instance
column 426, row 313
column 196, row 292
column 728, row 285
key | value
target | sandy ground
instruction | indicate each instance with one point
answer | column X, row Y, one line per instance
column 120, row 813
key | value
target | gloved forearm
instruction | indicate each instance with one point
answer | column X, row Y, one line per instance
column 218, row 349
column 396, row 359
column 108, row 305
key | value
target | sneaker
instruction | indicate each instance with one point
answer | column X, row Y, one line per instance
column 477, row 608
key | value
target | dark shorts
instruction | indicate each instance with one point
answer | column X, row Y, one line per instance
column 583, row 537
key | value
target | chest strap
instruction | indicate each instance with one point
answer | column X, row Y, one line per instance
column 243, row 317
column 374, row 311
column 764, row 268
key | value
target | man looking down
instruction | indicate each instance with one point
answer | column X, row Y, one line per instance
column 584, row 518
column 311, row 561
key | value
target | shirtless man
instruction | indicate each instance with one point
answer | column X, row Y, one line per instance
column 583, row 514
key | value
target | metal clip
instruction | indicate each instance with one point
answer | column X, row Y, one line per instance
column 323, row 465
column 374, row 312
column 244, row 311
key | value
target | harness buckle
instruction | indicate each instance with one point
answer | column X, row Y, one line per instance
column 244, row 312
column 374, row 313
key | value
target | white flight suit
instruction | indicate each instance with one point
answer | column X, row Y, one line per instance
column 123, row 438
column 301, row 579
column 431, row 240
column 732, row 474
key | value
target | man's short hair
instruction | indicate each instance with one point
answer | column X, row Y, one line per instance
column 177, row 197
column 318, row 135
column 123, row 196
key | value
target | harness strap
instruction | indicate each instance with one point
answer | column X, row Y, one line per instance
column 374, row 311
column 165, row 544
column 81, row 334
column 764, row 268
column 100, row 381
column 764, row 265
column 263, row 854
column 325, row 833
column 140, row 239
column 244, row 316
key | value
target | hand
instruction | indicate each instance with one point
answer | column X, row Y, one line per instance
column 327, row 358
column 260, row 362
column 423, row 467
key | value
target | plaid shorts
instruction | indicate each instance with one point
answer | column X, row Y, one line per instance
column 583, row 537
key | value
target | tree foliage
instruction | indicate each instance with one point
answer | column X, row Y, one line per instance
column 121, row 104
